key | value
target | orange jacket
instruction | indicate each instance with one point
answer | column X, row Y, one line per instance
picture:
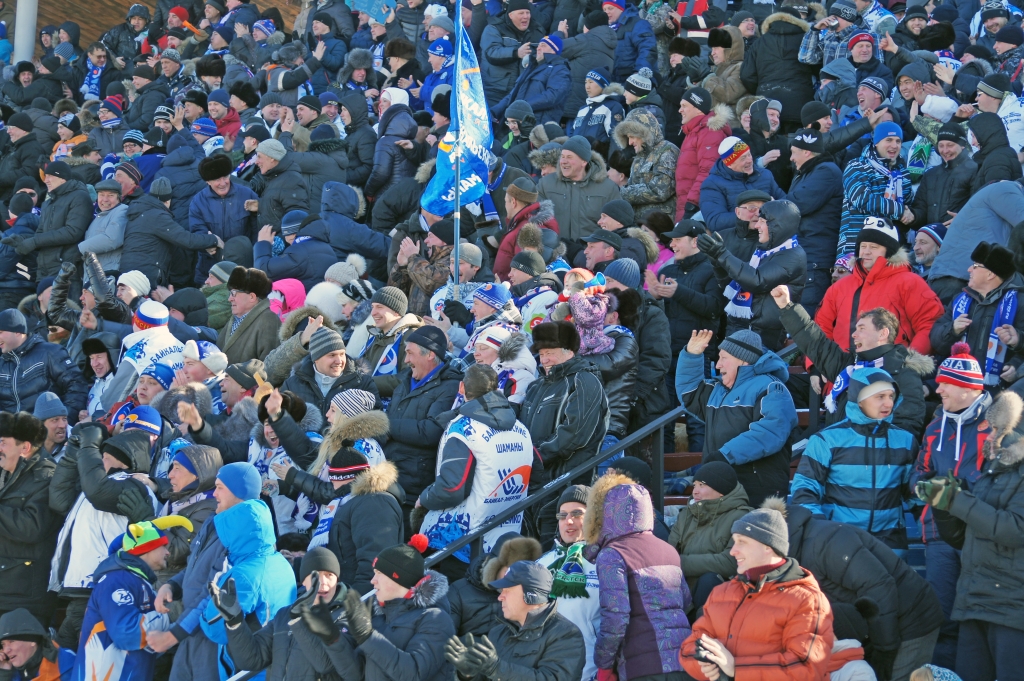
column 778, row 630
column 891, row 285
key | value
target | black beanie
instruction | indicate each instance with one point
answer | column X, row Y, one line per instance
column 635, row 469
column 717, row 475
column 595, row 19
column 320, row 559
column 402, row 562
column 578, row 493
column 813, row 112
column 20, row 204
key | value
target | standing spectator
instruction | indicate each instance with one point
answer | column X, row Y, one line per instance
column 220, row 209
column 18, row 272
column 383, row 354
column 636, row 46
column 825, row 480
column 996, row 160
column 727, row 50
column 795, row 643
column 589, row 52
column 875, row 185
column 733, row 173
column 52, row 413
column 705, row 129
column 828, row 39
column 20, row 351
column 150, row 92
column 253, row 329
column 29, row 527
column 24, row 159
column 326, row 371
column 389, row 162
column 945, row 188
column 618, row 529
column 578, row 189
column 542, row 84
column 504, row 43
column 422, row 268
column 748, row 410
column 651, row 184
column 105, row 234
column 778, row 260
column 771, row 68
column 360, row 138
column 880, row 259
column 986, row 316
column 927, row 243
column 28, row 646
column 285, row 189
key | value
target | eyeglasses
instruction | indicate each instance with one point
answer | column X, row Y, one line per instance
column 575, row 515
column 977, row 265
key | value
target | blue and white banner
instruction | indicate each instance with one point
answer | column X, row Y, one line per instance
column 471, row 125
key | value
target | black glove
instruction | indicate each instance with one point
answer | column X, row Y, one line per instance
column 713, row 17
column 483, row 655
column 711, row 244
column 458, row 654
column 882, row 661
column 696, row 68
column 226, row 601
column 307, row 597
column 319, row 621
column 690, row 210
column 360, row 624
column 88, row 434
column 67, row 270
column 135, row 504
column 457, row 313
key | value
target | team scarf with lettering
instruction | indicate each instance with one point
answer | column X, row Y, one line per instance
column 570, row 571
column 995, row 357
column 740, row 300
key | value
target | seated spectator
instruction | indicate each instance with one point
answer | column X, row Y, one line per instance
column 422, row 268
column 985, row 315
column 880, row 258
column 472, row 275
column 326, row 371
column 542, row 83
column 52, row 413
column 752, row 433
column 798, row 644
column 18, row 272
column 771, row 67
column 383, row 355
column 28, row 646
column 927, row 243
column 733, row 173
column 522, row 207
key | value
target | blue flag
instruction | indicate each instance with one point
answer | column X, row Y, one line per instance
column 471, row 125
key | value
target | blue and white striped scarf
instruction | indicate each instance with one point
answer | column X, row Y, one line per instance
column 740, row 300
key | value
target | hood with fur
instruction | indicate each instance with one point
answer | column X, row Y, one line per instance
column 597, row 169
column 513, row 348
column 922, row 365
column 194, row 393
column 1005, row 445
column 650, row 247
column 425, row 171
column 639, row 123
column 368, row 425
column 290, row 325
column 784, row 18
column 376, row 480
column 512, row 551
column 617, row 507
column 312, row 422
column 244, row 415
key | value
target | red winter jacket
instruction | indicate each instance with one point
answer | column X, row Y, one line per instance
column 698, row 154
column 892, row 286
column 229, row 126
column 541, row 214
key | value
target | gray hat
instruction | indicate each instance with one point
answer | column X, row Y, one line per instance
column 271, row 148
column 744, row 345
column 443, row 22
column 519, row 110
column 580, row 146
column 578, row 493
column 222, row 270
column 535, row 579
column 110, row 185
column 49, row 405
column 767, row 526
column 392, row 297
column 269, row 98
column 172, row 54
column 620, row 211
column 161, row 188
column 528, row 262
column 325, row 341
column 471, row 253
column 245, row 373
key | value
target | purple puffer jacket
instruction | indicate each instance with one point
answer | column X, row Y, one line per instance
column 643, row 592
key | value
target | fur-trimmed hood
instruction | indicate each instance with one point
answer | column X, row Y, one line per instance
column 597, row 169
column 511, row 348
column 650, row 248
column 428, row 593
column 312, row 422
column 545, row 211
column 922, row 365
column 545, row 157
column 194, row 393
column 512, row 551
column 237, row 426
column 1006, row 443
column 425, row 171
column 290, row 325
column 617, row 507
column 785, row 18
column 639, row 123
column 368, row 425
column 899, row 258
column 376, row 480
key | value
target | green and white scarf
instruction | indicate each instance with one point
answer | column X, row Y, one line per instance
column 570, row 572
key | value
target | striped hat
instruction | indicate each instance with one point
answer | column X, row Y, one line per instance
column 134, row 136
column 205, row 126
column 149, row 314
column 935, row 231
column 730, row 149
column 352, row 403
column 961, row 369
column 141, row 538
column 495, row 336
column 145, row 417
column 267, row 26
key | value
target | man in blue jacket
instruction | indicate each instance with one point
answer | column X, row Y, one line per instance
column 636, row 46
column 306, row 256
column 734, row 173
column 220, row 208
column 340, row 207
column 544, row 84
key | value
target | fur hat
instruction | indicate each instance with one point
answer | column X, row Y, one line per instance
column 1007, row 438
column 245, row 92
column 509, row 548
column 290, row 402
column 215, row 167
column 685, row 47
column 719, row 37
column 936, row 37
column 250, row 280
column 554, row 335
column 23, row 427
column 401, row 48
column 995, row 258
column 211, row 65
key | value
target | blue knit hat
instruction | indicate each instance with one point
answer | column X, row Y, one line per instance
column 145, row 417
column 205, row 126
column 600, row 75
column 625, row 271
column 442, row 47
column 494, row 295
column 887, row 129
column 221, row 96
column 182, row 460
column 242, row 479
column 266, row 25
column 48, row 405
column 161, row 373
column 13, row 320
column 936, row 231
column 554, row 41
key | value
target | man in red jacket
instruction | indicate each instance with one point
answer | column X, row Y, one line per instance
column 704, row 129
column 881, row 277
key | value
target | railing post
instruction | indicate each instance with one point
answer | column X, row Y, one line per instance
column 658, row 461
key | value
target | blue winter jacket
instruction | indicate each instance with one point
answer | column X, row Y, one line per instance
column 181, row 167
column 224, row 216
column 723, row 185
column 263, row 578
column 446, row 76
column 635, row 46
column 817, row 190
column 307, row 259
column 18, row 272
column 148, row 165
column 864, row 195
column 332, row 61
column 544, row 85
column 339, row 204
column 858, row 471
column 191, row 585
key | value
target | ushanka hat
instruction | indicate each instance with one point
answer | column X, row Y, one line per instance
column 141, row 538
column 995, row 258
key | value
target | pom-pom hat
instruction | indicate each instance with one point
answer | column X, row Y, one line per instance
column 961, row 369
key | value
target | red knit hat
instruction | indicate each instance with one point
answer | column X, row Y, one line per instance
column 961, row 369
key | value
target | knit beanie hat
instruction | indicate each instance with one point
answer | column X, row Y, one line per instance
column 353, row 402
column 879, row 231
column 247, row 374
column 242, row 479
column 48, row 405
column 272, row 149
column 809, row 140
column 951, row 132
column 494, row 295
column 580, row 146
column 403, row 563
column 357, row 290
column 621, row 211
column 1012, row 35
column 145, row 417
column 348, row 270
column 588, row 314
column 578, row 493
column 600, row 75
column 886, row 129
column 766, row 526
column 523, row 190
column 222, row 270
column 22, row 203
column 745, row 345
column 640, row 83
column 529, row 262
column 207, row 353
column 471, row 254
column 813, row 112
column 858, row 38
column 149, row 314
column 13, row 320
column 995, row 85
column 730, row 149
column 845, row 9
column 444, row 230
column 205, row 126
column 699, row 98
column 325, row 341
column 935, row 231
column 494, row 335
column 718, row 475
column 637, row 470
column 961, row 369
column 625, row 271
column 161, row 373
column 21, row 121
column 519, row 110
column 430, row 338
column 392, row 297
column 346, row 464
column 319, row 559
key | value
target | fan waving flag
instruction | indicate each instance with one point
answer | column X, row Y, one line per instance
column 471, row 126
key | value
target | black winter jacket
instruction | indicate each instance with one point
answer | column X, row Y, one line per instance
column 996, row 159
column 140, row 114
column 28, row 530
column 66, row 214
column 181, row 167
column 302, row 382
column 671, row 90
column 326, row 161
column 285, row 190
column 389, row 163
column 771, row 68
column 23, row 159
column 546, row 646
column 946, row 187
column 817, row 190
column 415, row 431
column 475, row 607
column 652, row 338
column 120, row 41
column 618, row 373
column 152, row 238
column 697, row 303
column 360, row 139
column 35, row 367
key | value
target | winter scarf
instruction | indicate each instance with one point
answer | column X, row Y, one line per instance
column 1005, row 314
column 894, row 187
column 111, row 123
column 91, row 86
column 570, row 575
column 740, row 300
column 917, row 159
column 842, row 381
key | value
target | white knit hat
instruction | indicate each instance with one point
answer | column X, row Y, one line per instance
column 207, row 353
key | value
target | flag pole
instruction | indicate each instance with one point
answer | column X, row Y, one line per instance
column 457, row 217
